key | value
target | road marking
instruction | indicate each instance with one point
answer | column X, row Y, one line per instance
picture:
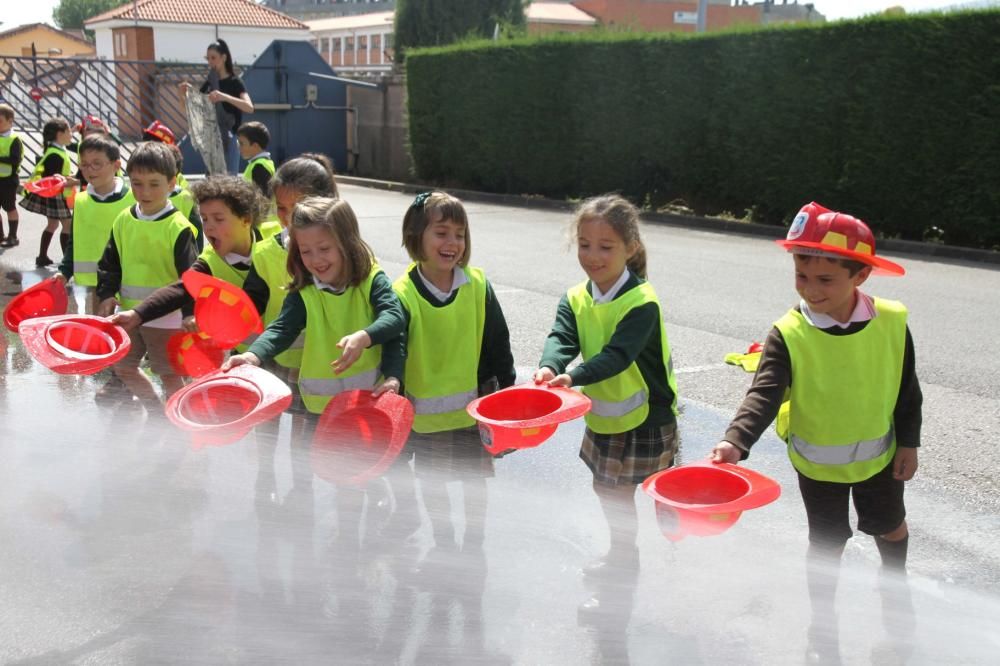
column 698, row 368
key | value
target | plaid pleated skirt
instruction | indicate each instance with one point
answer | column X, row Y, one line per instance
column 54, row 207
column 455, row 453
column 628, row 458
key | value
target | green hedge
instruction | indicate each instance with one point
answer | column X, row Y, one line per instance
column 894, row 120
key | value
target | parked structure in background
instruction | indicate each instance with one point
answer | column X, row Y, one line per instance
column 180, row 30
column 47, row 41
column 680, row 16
column 305, row 10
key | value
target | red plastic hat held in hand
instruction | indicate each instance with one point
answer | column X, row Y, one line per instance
column 74, row 344
column 193, row 354
column 523, row 416
column 222, row 407
column 223, row 311
column 358, row 436
column 51, row 186
column 45, row 299
column 705, row 499
column 819, row 231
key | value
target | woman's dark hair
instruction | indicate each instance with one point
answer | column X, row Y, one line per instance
column 52, row 128
column 241, row 197
column 220, row 47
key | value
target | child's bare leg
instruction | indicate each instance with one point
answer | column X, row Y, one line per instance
column 171, row 384
column 438, row 505
column 893, row 547
column 618, row 506
column 137, row 382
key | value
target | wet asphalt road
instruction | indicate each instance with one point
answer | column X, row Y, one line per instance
column 122, row 545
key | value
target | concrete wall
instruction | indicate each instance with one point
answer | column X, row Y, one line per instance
column 380, row 149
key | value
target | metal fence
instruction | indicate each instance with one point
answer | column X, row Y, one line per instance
column 126, row 94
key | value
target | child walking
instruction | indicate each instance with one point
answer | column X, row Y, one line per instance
column 11, row 154
column 151, row 245
column 353, row 322
column 56, row 135
column 457, row 348
column 253, row 139
column 852, row 413
column 615, row 322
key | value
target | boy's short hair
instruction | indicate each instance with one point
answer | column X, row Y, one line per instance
column 7, row 111
column 153, row 157
column 255, row 132
column 101, row 143
column 853, row 267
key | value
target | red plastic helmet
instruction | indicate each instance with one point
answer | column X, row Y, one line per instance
column 193, row 354
column 222, row 407
column 74, row 344
column 160, row 132
column 45, row 299
column 90, row 122
column 819, row 231
column 705, row 499
column 223, row 311
column 48, row 187
column 523, row 416
column 358, row 436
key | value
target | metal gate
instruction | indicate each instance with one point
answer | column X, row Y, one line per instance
column 127, row 95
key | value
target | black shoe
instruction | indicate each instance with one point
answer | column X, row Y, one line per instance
column 43, row 261
column 614, row 563
column 10, row 241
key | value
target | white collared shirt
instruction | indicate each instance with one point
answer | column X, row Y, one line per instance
column 458, row 278
column 117, row 189
column 323, row 286
column 258, row 156
column 163, row 211
column 232, row 258
column 7, row 133
column 609, row 296
column 864, row 310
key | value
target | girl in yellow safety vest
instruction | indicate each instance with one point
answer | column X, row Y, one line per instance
column 614, row 321
column 457, row 348
column 56, row 135
column 352, row 318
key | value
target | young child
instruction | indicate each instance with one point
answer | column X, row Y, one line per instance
column 233, row 209
column 56, row 135
column 253, row 139
column 852, row 413
column 184, row 200
column 11, row 153
column 94, row 212
column 151, row 245
column 457, row 348
column 615, row 322
column 346, row 305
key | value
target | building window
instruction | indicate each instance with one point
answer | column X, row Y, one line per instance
column 324, row 45
column 376, row 41
column 121, row 48
column 388, row 41
column 336, row 44
column 362, row 41
column 350, row 43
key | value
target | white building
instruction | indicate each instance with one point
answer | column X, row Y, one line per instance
column 180, row 30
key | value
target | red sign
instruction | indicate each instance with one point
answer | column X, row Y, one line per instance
column 36, row 93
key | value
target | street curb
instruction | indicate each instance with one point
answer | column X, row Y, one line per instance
column 712, row 224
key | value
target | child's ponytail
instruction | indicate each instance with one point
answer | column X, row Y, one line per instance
column 637, row 262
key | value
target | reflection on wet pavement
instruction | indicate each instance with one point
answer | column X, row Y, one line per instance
column 122, row 544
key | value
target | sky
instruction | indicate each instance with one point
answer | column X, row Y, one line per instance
column 17, row 12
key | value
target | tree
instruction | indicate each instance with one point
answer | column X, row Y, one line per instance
column 437, row 22
column 70, row 14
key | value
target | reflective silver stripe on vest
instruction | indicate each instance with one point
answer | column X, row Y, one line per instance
column 136, row 293
column 443, row 404
column 84, row 266
column 612, row 410
column 866, row 449
column 365, row 380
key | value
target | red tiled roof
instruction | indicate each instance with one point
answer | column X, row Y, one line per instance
column 244, row 13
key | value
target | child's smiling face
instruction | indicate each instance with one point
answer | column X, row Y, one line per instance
column 602, row 253
column 321, row 254
column 827, row 286
column 442, row 244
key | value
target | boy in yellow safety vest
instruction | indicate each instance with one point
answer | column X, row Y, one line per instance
column 11, row 153
column 838, row 373
column 253, row 139
column 150, row 246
